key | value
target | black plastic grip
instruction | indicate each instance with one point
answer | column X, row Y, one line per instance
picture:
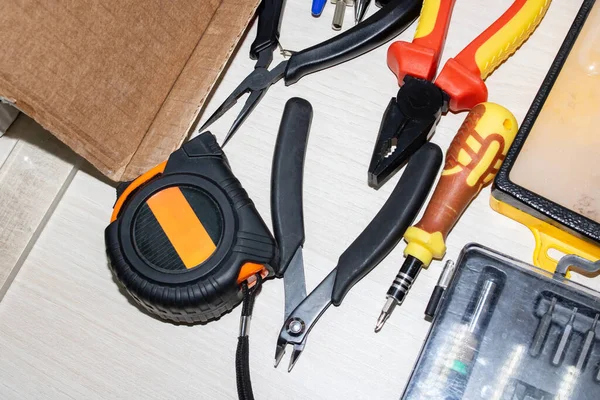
column 434, row 302
column 286, row 179
column 387, row 228
column 269, row 21
column 379, row 28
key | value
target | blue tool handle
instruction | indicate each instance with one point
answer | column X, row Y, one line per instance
column 269, row 21
column 376, row 30
column 317, row 7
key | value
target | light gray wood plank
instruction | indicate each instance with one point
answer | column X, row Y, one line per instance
column 7, row 116
column 67, row 332
column 33, row 176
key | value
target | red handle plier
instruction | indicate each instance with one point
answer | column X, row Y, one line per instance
column 411, row 117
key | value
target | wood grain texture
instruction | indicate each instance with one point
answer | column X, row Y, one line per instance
column 32, row 177
column 67, row 331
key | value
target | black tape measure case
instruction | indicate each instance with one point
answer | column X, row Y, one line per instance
column 184, row 235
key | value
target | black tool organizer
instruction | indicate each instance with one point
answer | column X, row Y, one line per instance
column 496, row 363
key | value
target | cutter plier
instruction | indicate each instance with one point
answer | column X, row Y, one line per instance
column 411, row 117
column 381, row 235
column 381, row 27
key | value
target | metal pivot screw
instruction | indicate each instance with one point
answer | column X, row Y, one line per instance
column 338, row 14
column 295, row 327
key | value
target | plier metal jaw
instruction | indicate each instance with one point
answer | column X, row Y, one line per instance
column 257, row 83
column 408, row 122
column 293, row 328
column 301, row 320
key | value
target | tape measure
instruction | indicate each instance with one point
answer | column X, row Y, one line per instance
column 185, row 235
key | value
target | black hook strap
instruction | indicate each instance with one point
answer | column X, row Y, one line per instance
column 242, row 356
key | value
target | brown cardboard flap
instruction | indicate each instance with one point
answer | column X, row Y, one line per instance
column 119, row 82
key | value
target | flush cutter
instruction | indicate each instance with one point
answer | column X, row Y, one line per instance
column 373, row 32
column 370, row 247
column 411, row 117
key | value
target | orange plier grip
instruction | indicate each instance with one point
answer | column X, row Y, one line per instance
column 421, row 57
column 462, row 76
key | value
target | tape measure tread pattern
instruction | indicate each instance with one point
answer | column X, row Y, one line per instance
column 198, row 307
column 201, row 301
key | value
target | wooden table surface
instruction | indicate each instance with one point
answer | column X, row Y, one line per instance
column 67, row 332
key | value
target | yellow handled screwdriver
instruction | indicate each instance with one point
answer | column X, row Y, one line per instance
column 473, row 159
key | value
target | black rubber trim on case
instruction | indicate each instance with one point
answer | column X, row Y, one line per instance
column 387, row 228
column 286, row 179
column 523, row 199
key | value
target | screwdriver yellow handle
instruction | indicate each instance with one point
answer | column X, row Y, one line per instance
column 473, row 159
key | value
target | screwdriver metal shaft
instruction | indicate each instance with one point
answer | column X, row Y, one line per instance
column 588, row 342
column 399, row 289
column 564, row 340
column 542, row 331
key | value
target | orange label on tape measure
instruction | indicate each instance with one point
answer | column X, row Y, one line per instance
column 182, row 226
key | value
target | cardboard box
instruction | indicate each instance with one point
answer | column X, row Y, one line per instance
column 120, row 82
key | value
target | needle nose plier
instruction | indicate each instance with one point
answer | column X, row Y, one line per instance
column 382, row 26
column 412, row 116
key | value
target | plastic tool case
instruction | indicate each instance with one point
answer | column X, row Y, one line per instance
column 508, row 330
column 550, row 180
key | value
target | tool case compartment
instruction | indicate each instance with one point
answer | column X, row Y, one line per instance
column 462, row 359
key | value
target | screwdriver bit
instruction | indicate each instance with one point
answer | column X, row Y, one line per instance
column 588, row 342
column 564, row 339
column 542, row 331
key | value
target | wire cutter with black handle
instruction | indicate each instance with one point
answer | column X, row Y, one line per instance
column 412, row 116
column 382, row 26
column 368, row 249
